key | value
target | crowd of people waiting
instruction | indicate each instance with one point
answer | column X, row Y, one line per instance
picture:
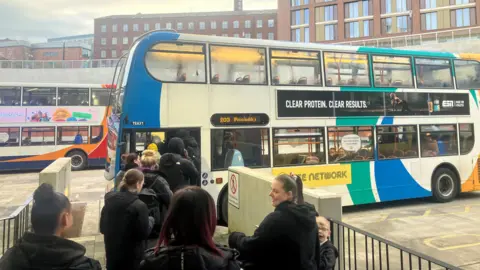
column 161, row 219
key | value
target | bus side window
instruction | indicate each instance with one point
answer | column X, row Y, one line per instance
column 433, row 73
column 467, row 74
column 96, row 134
column 9, row 136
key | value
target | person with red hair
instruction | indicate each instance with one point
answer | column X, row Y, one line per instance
column 186, row 240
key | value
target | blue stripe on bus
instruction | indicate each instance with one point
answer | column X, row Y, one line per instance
column 42, row 164
column 387, row 120
column 405, row 52
column 151, row 89
column 13, row 157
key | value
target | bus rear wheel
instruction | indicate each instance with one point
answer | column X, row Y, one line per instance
column 444, row 185
column 223, row 206
column 79, row 160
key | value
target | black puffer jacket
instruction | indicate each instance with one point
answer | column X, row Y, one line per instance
column 194, row 258
column 286, row 239
column 156, row 181
column 35, row 251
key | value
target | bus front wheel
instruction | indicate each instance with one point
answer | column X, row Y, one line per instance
column 223, row 206
column 444, row 185
column 79, row 160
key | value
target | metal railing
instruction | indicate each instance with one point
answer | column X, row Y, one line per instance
column 359, row 249
column 471, row 33
column 15, row 225
column 34, row 64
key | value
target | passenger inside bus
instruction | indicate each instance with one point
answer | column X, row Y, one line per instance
column 429, row 146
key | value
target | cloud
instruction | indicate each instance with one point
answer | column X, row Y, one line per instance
column 36, row 21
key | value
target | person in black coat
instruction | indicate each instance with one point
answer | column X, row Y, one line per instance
column 286, row 238
column 155, row 179
column 125, row 224
column 328, row 253
column 45, row 248
column 186, row 240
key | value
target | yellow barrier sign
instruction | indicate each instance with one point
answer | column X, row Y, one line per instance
column 319, row 176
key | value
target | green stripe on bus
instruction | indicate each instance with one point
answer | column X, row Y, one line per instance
column 405, row 52
column 368, row 89
column 361, row 189
column 474, row 95
column 357, row 121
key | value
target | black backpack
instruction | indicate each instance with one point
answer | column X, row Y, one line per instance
column 149, row 197
column 171, row 168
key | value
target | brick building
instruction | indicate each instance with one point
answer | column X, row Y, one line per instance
column 15, row 50
column 55, row 51
column 331, row 21
column 115, row 34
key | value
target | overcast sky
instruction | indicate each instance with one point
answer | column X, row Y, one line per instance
column 36, row 21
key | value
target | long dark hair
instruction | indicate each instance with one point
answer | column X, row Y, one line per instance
column 47, row 207
column 191, row 220
column 293, row 184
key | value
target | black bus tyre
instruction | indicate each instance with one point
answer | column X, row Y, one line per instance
column 444, row 185
column 224, row 206
column 79, row 160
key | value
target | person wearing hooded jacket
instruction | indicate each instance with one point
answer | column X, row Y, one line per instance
column 286, row 238
column 175, row 160
column 45, row 248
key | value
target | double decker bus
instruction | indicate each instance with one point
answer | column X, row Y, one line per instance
column 41, row 122
column 370, row 124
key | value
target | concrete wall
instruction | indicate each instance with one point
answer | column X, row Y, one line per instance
column 460, row 46
column 58, row 174
column 73, row 75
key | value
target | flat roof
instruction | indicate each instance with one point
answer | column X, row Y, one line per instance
column 192, row 14
column 49, row 45
column 71, row 37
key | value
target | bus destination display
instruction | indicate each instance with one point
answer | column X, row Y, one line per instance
column 250, row 119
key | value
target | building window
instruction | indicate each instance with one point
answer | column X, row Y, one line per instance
column 224, row 25
column 103, row 54
column 351, row 10
column 104, row 28
column 366, row 28
column 135, row 27
column 306, row 16
column 248, row 24
column 462, row 17
column 236, row 24
column 366, row 8
column 103, row 41
column 114, row 41
column 191, row 26
column 271, row 36
column 248, row 35
column 169, row 25
column 296, row 17
column 388, row 6
column 146, row 27
column 271, row 23
column 259, row 35
column 125, row 28
column 213, row 25
column 461, row 2
column 296, row 35
column 202, row 25
column 259, row 23
column 401, row 5
column 330, row 32
column 402, row 25
column 224, row 35
column 306, row 34
column 157, row 26
column 236, row 35
column 352, row 30
column 387, row 25
column 430, row 3
column 431, row 21
column 295, row 3
column 125, row 40
column 114, row 53
column 330, row 13
column 179, row 26
column 114, row 28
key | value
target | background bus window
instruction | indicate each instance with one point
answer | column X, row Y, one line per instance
column 391, row 71
column 228, row 144
column 305, row 146
column 100, row 97
column 295, row 67
column 72, row 135
column 9, row 136
column 433, row 73
column 238, row 65
column 10, row 96
column 346, row 69
column 73, row 96
column 438, row 140
column 467, row 74
column 96, row 134
column 349, row 144
column 176, row 62
column 35, row 136
column 467, row 138
column 36, row 96
column 397, row 142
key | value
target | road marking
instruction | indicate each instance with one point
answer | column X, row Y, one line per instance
column 429, row 241
column 427, row 213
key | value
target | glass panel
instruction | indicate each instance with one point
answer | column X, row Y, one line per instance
column 391, row 71
column 100, row 97
column 467, row 74
column 9, row 136
column 72, row 135
column 346, row 69
column 73, row 96
column 34, row 136
column 176, row 62
column 467, row 138
column 349, row 144
column 295, row 67
column 438, row 140
column 36, row 96
column 298, row 147
column 96, row 134
column 397, row 142
column 238, row 65
column 433, row 73
column 10, row 96
column 232, row 147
